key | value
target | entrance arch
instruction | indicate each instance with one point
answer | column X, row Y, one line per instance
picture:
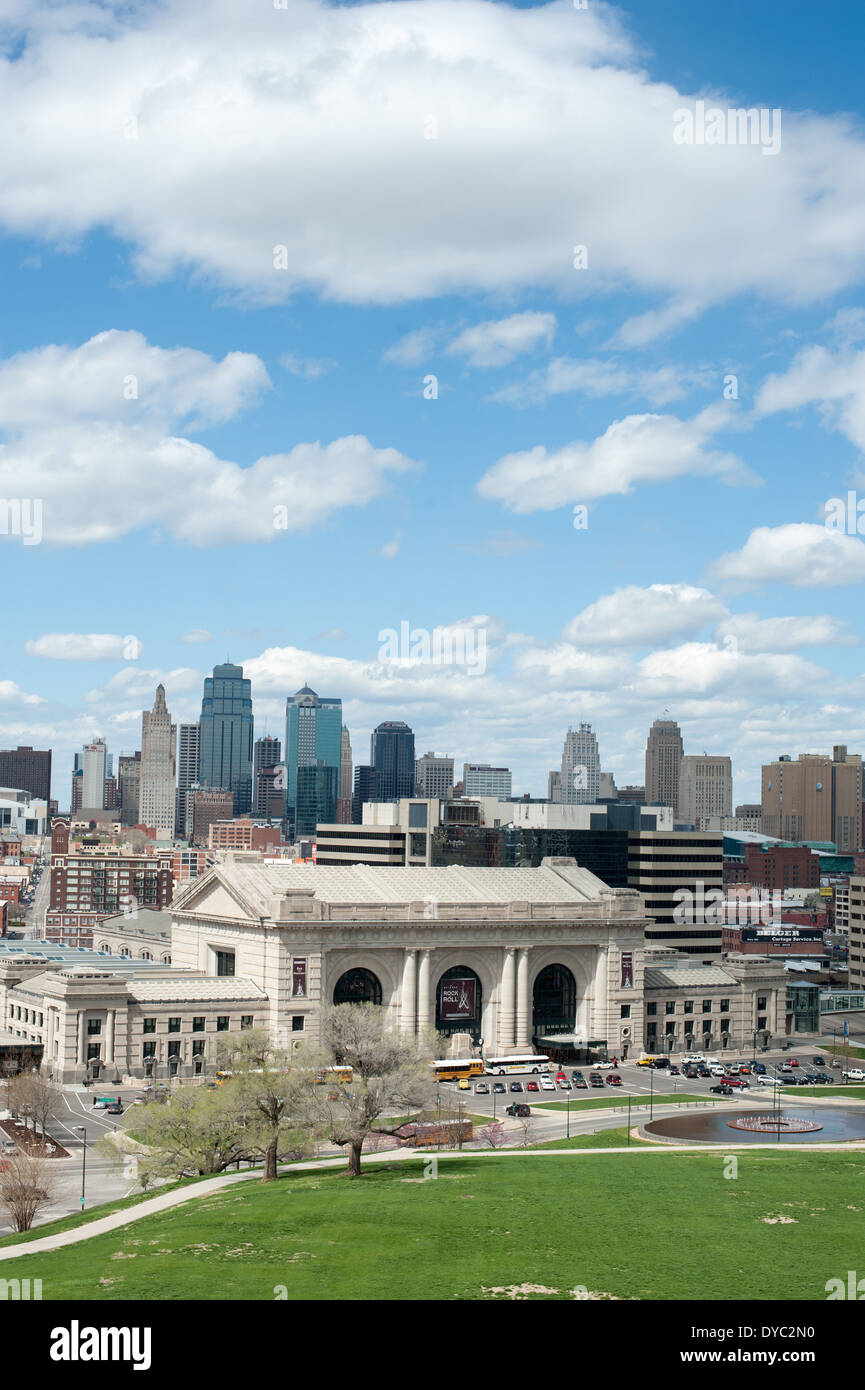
column 459, row 1002
column 358, row 986
column 554, row 1008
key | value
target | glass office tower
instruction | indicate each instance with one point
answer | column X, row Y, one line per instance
column 313, row 740
column 225, row 740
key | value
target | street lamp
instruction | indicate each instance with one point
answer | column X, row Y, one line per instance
column 81, row 1129
column 569, row 1115
column 651, row 1090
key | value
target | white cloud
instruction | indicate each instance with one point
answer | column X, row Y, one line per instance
column 85, row 646
column 499, row 341
column 196, row 634
column 635, row 617
column 140, row 121
column 801, row 554
column 414, row 347
column 637, row 449
column 702, row 668
column 752, row 634
column 133, row 683
column 104, row 466
column 390, row 549
column 309, row 367
column 592, row 376
column 832, row 381
column 11, row 693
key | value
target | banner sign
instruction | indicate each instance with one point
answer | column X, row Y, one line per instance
column 457, row 999
column 627, row 970
column 298, row 977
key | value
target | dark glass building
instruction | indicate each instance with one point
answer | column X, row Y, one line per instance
column 225, row 743
column 317, row 790
column 364, row 790
column 392, row 756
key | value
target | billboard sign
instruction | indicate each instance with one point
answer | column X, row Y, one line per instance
column 457, row 999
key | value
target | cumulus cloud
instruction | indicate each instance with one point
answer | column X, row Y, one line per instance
column 635, row 617
column 311, row 368
column 499, row 341
column 133, row 683
column 196, row 634
column 141, row 121
column 702, row 668
column 752, row 634
column 11, row 693
column 801, row 554
column 637, row 449
column 592, row 376
column 85, row 646
column 831, row 381
column 105, row 464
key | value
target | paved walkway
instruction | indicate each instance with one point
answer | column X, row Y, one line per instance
column 166, row 1200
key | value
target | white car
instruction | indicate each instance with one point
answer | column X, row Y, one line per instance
column 717, row 1070
column 693, row 1059
column 769, row 1081
column 854, row 1074
column 602, row 1066
column 547, row 1084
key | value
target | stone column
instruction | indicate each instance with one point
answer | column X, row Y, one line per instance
column 109, row 1039
column 423, row 992
column 524, row 1016
column 506, row 1002
column 408, row 992
column 82, row 1038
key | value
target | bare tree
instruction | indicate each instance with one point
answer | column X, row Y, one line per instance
column 390, row 1070
column 26, row 1186
column 37, row 1098
column 492, row 1135
column 526, row 1130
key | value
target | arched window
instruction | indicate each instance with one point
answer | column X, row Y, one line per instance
column 459, row 1002
column 358, row 986
column 555, row 1000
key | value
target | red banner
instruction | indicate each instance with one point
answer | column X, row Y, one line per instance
column 627, row 970
column 457, row 999
column 298, row 978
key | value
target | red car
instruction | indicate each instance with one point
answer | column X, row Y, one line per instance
column 560, row 1076
column 734, row 1081
column 532, row 1086
column 794, row 1061
column 614, row 1079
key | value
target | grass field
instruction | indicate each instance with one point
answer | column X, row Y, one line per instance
column 645, row 1225
column 826, row 1092
column 604, row 1102
column 604, row 1139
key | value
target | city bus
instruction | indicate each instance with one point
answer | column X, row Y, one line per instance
column 509, row 1066
column 458, row 1068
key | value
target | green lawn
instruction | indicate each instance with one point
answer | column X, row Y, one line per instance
column 604, row 1139
column 69, row 1223
column 645, row 1225
column 604, row 1102
column 826, row 1092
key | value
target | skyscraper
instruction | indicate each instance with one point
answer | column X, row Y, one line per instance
column 187, row 777
column 815, row 798
column 158, row 767
column 27, row 770
column 93, row 775
column 479, row 779
column 705, row 788
column 129, row 776
column 266, row 756
column 581, row 768
column 364, row 790
column 664, row 752
column 346, row 774
column 313, row 739
column 392, row 756
column 225, row 749
column 434, row 776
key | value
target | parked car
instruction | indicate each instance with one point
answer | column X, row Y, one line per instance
column 769, row 1081
column 721, row 1090
column 581, row 1085
column 785, row 1066
column 660, row 1063
column 596, row 1079
column 703, row 1071
column 547, row 1084
column 532, row 1086
column 716, row 1071
column 794, row 1061
column 518, row 1111
column 564, row 1085
column 576, row 1076
column 463, row 1083
column 482, row 1089
column 744, row 1069
column 674, row 1071
column 499, row 1088
column 760, row 1069
column 113, row 1109
column 614, row 1079
column 823, row 1079
column 818, row 1061
column 692, row 1073
column 854, row 1074
column 516, row 1085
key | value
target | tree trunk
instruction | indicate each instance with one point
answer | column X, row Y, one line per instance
column 270, row 1160
column 354, row 1158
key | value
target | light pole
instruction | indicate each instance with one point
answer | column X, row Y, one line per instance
column 651, row 1090
column 629, row 1119
column 754, row 1041
column 81, row 1129
column 569, row 1115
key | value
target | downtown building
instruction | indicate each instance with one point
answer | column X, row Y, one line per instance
column 313, row 748
column 664, row 753
column 392, row 757
column 188, row 752
column 28, row 770
column 815, row 798
column 158, row 784
column 480, row 779
column 434, row 776
column 579, row 780
column 705, row 789
column 225, row 739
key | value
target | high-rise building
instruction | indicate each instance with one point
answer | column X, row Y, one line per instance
column 266, row 755
column 77, row 787
column 93, row 775
column 434, row 776
column 27, row 770
column 678, row 872
column 313, row 739
column 129, row 774
column 480, row 779
column 111, row 793
column 815, row 798
column 581, row 768
column 225, row 748
column 208, row 806
column 554, row 786
column 158, row 767
column 364, row 791
column 664, row 752
column 392, row 756
column 346, row 775
column 705, row 788
column 317, row 788
column 188, row 744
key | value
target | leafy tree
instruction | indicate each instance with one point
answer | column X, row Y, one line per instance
column 195, row 1132
column 272, row 1100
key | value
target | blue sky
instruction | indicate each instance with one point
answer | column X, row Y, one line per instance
column 428, row 169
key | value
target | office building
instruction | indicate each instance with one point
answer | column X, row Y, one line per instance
column 188, row 750
column 208, row 806
column 856, row 958
column 266, row 759
column 346, row 779
column 364, row 791
column 84, row 881
column 28, row 770
column 480, row 779
column 677, row 873
column 158, row 785
column 93, row 775
column 392, row 832
column 664, row 752
column 434, row 776
column 580, row 774
column 129, row 774
column 225, row 739
column 392, row 756
column 313, row 740
column 22, row 814
column 815, row 798
column 244, row 834
column 705, row 789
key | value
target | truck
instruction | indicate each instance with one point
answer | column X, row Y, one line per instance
column 854, row 1074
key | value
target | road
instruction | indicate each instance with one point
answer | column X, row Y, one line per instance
column 34, row 917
